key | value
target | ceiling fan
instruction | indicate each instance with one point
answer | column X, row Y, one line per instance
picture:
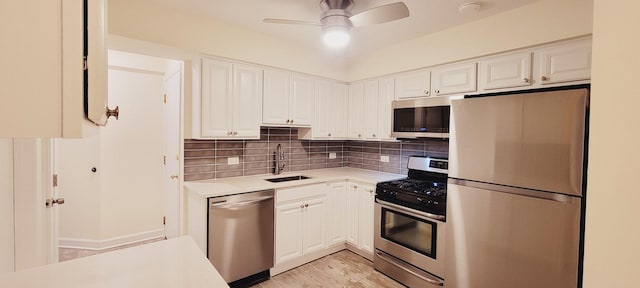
column 336, row 19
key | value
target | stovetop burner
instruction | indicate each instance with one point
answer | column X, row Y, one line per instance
column 425, row 189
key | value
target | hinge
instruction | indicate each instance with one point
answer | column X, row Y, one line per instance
column 165, row 98
column 164, row 160
column 55, row 180
column 164, row 220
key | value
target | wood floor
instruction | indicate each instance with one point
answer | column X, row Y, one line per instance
column 341, row 269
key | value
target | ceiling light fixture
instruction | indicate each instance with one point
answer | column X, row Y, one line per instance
column 336, row 28
column 469, row 7
column 336, row 37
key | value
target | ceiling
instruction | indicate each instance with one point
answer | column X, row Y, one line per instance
column 426, row 16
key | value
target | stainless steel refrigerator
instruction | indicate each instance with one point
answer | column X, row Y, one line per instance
column 516, row 186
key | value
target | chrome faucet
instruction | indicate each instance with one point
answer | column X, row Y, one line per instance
column 279, row 156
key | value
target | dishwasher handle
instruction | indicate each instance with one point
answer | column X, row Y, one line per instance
column 233, row 205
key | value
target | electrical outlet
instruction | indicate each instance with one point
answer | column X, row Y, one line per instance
column 384, row 158
column 233, row 160
column 333, row 155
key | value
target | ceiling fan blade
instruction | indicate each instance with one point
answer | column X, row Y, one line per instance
column 286, row 21
column 380, row 14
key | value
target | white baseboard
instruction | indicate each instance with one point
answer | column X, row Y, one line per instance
column 90, row 244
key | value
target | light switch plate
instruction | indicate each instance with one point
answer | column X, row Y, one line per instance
column 332, row 155
column 384, row 158
column 233, row 160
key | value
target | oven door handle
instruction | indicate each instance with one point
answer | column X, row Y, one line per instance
column 410, row 211
column 425, row 278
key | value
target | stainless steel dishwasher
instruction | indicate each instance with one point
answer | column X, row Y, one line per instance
column 240, row 236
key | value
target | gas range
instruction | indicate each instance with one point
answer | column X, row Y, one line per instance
column 424, row 189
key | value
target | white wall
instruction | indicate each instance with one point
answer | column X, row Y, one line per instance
column 146, row 20
column 537, row 23
column 613, row 232
column 6, row 206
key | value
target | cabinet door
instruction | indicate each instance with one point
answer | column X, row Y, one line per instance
column 339, row 115
column 216, row 99
column 275, row 99
column 506, row 71
column 336, row 213
column 323, row 102
column 247, row 101
column 413, row 84
column 314, row 230
column 289, row 231
column 370, row 110
column 356, row 98
column 454, row 79
column 385, row 98
column 567, row 62
column 366, row 211
column 352, row 214
column 302, row 91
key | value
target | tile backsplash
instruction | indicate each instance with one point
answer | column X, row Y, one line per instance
column 208, row 159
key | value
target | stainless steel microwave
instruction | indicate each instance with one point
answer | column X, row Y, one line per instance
column 421, row 118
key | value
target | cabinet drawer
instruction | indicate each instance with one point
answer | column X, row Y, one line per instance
column 301, row 192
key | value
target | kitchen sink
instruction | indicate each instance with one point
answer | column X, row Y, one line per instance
column 285, row 179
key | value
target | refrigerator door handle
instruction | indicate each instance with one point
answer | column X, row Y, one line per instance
column 517, row 191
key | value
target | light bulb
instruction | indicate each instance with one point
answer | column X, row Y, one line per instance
column 336, row 37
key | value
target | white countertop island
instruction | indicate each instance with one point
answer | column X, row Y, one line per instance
column 172, row 263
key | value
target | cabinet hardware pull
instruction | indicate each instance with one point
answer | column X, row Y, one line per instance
column 306, row 205
column 426, row 92
column 437, row 91
column 359, row 135
column 525, row 80
column 329, row 135
column 235, row 132
column 113, row 112
column 374, row 135
column 544, row 78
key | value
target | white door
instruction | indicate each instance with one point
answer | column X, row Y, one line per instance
column 314, row 235
column 301, row 109
column 171, row 130
column 35, row 235
column 6, row 206
column 288, row 231
column 356, row 98
column 276, row 98
column 247, row 101
column 216, row 98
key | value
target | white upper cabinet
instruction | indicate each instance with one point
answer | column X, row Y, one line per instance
column 230, row 102
column 386, row 92
column 43, row 80
column 331, row 100
column 276, row 97
column 513, row 70
column 356, row 98
column 413, row 84
column 288, row 99
column 370, row 110
column 454, row 79
column 566, row 62
column 302, row 92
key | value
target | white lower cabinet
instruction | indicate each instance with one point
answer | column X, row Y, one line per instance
column 336, row 213
column 360, row 201
column 300, row 221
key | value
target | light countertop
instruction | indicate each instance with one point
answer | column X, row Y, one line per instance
column 235, row 185
column 172, row 263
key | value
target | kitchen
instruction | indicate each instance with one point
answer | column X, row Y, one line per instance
column 603, row 267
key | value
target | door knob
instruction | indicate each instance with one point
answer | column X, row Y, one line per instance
column 52, row 201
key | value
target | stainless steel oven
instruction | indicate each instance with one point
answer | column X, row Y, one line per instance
column 410, row 224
